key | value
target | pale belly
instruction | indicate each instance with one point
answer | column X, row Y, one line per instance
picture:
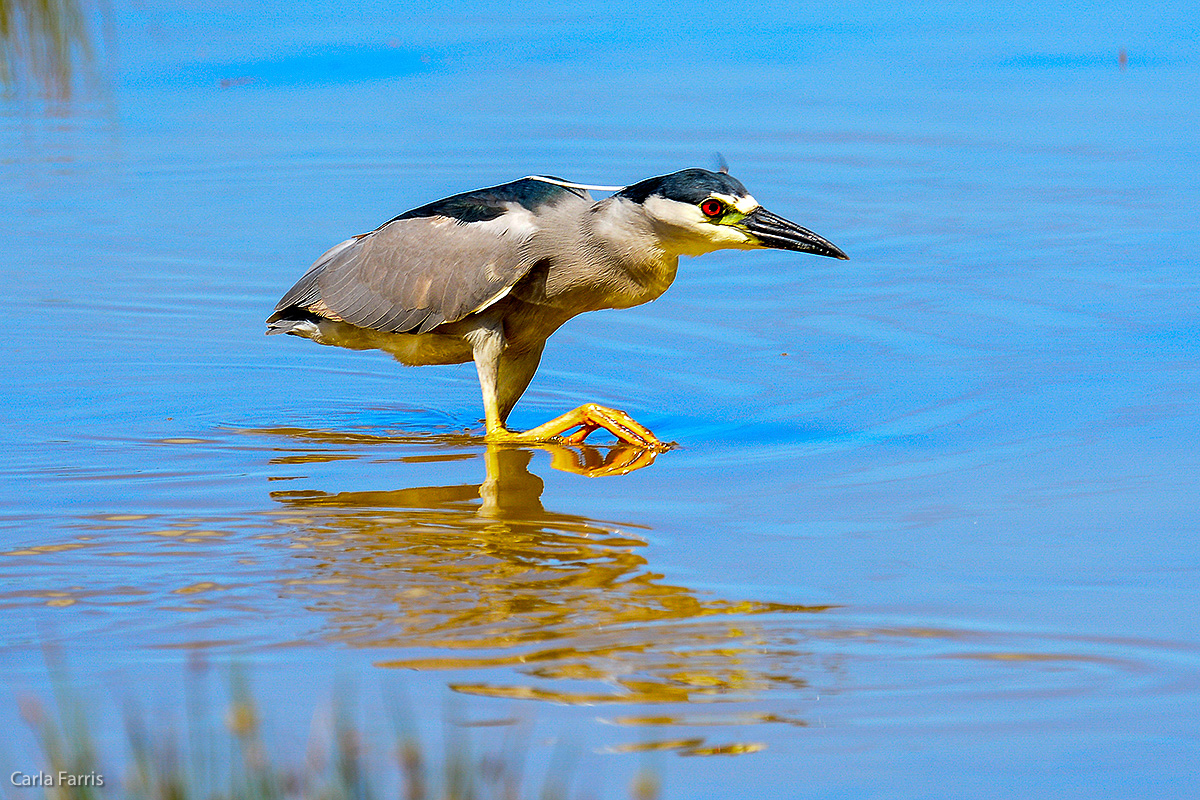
column 414, row 349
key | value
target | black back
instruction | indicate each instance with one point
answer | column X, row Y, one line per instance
column 482, row 205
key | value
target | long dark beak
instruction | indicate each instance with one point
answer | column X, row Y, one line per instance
column 776, row 232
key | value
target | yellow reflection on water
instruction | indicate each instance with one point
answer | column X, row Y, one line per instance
column 690, row 747
column 491, row 580
column 483, row 578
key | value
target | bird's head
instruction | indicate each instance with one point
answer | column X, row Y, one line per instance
column 695, row 211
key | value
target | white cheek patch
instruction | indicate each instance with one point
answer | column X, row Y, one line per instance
column 695, row 233
column 672, row 212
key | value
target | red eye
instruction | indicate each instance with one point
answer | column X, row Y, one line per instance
column 712, row 208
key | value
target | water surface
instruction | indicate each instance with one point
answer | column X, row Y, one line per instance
column 931, row 530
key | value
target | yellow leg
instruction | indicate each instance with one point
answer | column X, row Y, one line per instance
column 487, row 343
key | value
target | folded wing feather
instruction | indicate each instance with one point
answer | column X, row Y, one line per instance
column 432, row 265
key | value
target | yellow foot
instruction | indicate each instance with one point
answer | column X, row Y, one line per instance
column 588, row 419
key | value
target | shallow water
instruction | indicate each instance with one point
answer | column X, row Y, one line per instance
column 931, row 530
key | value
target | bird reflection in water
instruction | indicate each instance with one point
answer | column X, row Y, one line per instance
column 526, row 602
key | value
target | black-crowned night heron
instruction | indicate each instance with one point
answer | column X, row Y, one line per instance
column 489, row 275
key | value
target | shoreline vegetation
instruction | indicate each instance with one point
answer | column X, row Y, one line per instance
column 221, row 751
column 46, row 47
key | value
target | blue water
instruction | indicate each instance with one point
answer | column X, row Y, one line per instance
column 932, row 528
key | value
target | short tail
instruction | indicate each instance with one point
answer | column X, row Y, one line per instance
column 293, row 320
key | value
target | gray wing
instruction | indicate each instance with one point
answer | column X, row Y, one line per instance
column 435, row 264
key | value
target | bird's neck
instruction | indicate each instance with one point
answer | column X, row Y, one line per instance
column 624, row 245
